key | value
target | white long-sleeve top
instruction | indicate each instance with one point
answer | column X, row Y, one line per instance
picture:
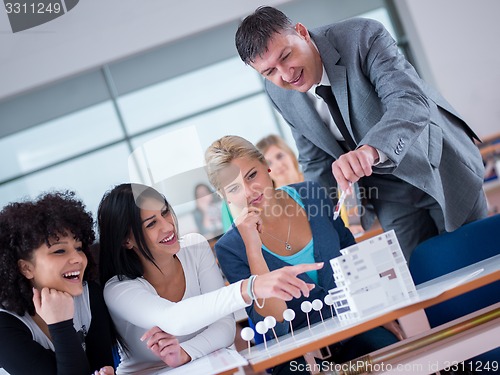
column 202, row 320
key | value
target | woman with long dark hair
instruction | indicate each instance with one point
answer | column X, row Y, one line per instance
column 165, row 293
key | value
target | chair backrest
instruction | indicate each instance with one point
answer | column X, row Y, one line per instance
column 448, row 252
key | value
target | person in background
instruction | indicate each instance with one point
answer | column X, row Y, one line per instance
column 276, row 228
column 227, row 217
column 53, row 320
column 165, row 294
column 207, row 213
column 281, row 160
column 358, row 111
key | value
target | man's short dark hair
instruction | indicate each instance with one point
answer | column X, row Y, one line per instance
column 257, row 29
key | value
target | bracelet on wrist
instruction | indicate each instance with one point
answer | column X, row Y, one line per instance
column 250, row 287
column 255, row 296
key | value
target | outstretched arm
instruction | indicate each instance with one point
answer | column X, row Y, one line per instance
column 137, row 302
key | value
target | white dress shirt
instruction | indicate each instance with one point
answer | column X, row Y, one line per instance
column 324, row 112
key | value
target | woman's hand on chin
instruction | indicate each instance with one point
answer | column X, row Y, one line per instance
column 53, row 306
column 249, row 224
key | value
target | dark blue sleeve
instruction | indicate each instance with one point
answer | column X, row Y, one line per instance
column 345, row 235
column 318, row 203
column 20, row 354
column 70, row 356
column 231, row 254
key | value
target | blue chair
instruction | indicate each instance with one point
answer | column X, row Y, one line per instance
column 116, row 356
column 448, row 252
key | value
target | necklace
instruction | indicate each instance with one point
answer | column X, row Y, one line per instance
column 288, row 247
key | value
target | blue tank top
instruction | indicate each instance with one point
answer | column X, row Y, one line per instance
column 304, row 256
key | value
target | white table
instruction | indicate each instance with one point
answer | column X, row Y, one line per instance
column 307, row 340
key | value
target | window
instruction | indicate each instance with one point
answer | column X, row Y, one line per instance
column 88, row 150
column 58, row 140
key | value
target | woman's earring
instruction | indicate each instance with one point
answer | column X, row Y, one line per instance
column 228, row 202
column 269, row 170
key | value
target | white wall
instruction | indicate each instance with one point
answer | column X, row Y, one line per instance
column 96, row 32
column 455, row 44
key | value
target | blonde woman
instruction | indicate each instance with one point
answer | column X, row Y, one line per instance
column 277, row 228
column 281, row 160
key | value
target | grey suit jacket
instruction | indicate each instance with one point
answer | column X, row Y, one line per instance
column 385, row 104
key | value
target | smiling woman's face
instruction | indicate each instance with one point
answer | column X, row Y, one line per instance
column 59, row 266
column 159, row 228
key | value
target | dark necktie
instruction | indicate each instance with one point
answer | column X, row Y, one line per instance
column 325, row 92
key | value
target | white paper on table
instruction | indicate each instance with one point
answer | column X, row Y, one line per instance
column 214, row 363
column 436, row 287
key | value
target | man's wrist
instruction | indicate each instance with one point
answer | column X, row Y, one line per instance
column 372, row 151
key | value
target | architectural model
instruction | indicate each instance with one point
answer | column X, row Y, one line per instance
column 370, row 276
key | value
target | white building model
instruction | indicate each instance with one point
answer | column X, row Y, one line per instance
column 370, row 276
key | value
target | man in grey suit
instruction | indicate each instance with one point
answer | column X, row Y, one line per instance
column 392, row 133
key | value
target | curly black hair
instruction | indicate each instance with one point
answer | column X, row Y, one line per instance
column 27, row 225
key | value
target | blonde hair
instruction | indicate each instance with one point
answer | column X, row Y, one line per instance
column 223, row 151
column 273, row 140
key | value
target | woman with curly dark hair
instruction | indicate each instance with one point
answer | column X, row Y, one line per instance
column 52, row 320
